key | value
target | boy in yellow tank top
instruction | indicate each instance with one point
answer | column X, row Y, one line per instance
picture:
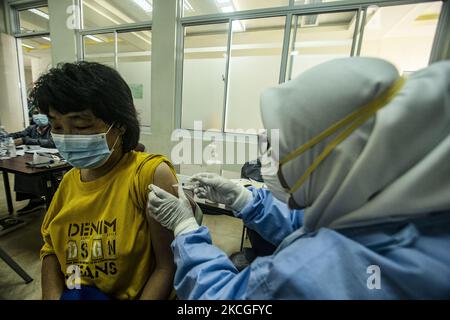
column 97, row 240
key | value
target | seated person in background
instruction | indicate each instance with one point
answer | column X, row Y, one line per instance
column 29, row 187
column 96, row 235
column 38, row 133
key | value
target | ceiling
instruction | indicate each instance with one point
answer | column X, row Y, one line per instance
column 398, row 21
column 36, row 47
column 101, row 13
column 34, row 20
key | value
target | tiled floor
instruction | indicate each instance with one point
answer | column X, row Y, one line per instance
column 23, row 246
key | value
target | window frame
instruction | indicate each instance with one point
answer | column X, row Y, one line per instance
column 15, row 8
column 289, row 12
column 13, row 27
column 116, row 30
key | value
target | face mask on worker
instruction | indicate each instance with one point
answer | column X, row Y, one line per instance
column 84, row 151
column 269, row 168
column 40, row 120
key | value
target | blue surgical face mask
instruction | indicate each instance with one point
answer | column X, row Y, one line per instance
column 84, row 151
column 40, row 119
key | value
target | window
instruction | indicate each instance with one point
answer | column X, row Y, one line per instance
column 203, row 7
column 224, row 91
column 236, row 49
column 134, row 64
column 130, row 54
column 36, row 56
column 102, row 13
column 34, row 20
column 317, row 38
column 402, row 34
column 229, row 101
column 100, row 48
column 303, row 2
column 255, row 60
column 34, row 52
column 204, row 70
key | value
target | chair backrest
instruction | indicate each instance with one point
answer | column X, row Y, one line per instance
column 140, row 147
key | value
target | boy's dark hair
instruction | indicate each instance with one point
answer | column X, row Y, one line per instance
column 74, row 87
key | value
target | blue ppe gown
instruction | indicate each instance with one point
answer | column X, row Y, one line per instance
column 403, row 260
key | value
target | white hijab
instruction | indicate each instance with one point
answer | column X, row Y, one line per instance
column 396, row 166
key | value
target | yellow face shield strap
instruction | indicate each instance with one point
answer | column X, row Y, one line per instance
column 350, row 123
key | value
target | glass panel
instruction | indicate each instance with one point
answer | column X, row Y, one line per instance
column 202, row 7
column 402, row 34
column 102, row 13
column 99, row 48
column 37, row 59
column 310, row 2
column 34, row 20
column 319, row 38
column 254, row 66
column 134, row 64
column 203, row 75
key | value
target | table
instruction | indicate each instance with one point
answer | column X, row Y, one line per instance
column 17, row 165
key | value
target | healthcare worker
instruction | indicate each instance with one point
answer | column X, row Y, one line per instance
column 365, row 153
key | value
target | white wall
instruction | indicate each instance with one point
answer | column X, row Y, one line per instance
column 28, row 77
column 406, row 53
column 139, row 73
column 40, row 65
column 62, row 32
column 164, row 31
column 203, row 90
column 249, row 77
column 11, row 111
column 304, row 62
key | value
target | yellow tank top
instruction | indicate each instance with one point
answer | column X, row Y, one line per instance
column 99, row 228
